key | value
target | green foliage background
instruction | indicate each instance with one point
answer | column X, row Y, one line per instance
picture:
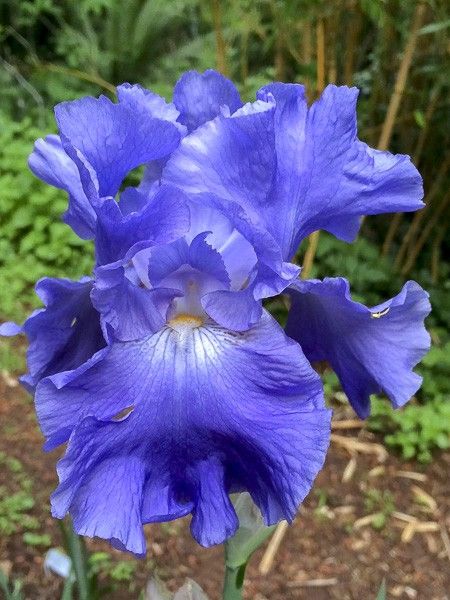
column 53, row 50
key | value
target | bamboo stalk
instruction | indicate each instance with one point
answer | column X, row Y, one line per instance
column 244, row 58
column 409, row 264
column 313, row 239
column 221, row 57
column 402, row 76
column 398, row 217
column 384, row 42
column 390, row 235
column 433, row 103
column 279, row 58
column 354, row 27
column 310, row 253
column 332, row 24
column 419, row 216
column 320, row 40
column 307, row 50
column 436, row 252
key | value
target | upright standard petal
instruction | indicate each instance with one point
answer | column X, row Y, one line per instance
column 150, row 104
column 326, row 178
column 239, row 309
column 113, row 139
column 200, row 97
column 294, row 169
column 197, row 412
column 232, row 158
column 372, row 350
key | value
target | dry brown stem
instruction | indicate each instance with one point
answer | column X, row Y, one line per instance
column 402, row 76
column 221, row 57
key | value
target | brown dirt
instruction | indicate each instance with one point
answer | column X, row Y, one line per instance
column 322, row 544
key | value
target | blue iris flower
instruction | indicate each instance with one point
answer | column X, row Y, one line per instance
column 171, row 384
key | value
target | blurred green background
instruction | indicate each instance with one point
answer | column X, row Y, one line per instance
column 395, row 51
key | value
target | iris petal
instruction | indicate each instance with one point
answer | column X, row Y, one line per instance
column 112, row 138
column 296, row 169
column 162, row 219
column 49, row 162
column 149, row 104
column 65, row 333
column 212, row 412
column 200, row 96
column 372, row 350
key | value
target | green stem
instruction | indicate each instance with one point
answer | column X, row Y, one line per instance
column 234, row 582
column 77, row 552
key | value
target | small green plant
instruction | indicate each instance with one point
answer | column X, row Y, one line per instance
column 123, row 571
column 102, row 563
column 11, row 591
column 417, row 429
column 33, row 240
column 15, row 506
column 14, row 512
column 37, row 539
column 322, row 511
column 381, row 503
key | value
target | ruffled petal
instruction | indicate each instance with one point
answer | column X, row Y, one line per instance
column 64, row 334
column 161, row 220
column 10, row 329
column 108, row 504
column 49, row 162
column 326, row 178
column 113, row 139
column 207, row 260
column 372, row 350
column 138, row 99
column 296, row 170
column 200, row 97
column 207, row 412
column 131, row 311
column 239, row 309
column 232, row 158
column 133, row 295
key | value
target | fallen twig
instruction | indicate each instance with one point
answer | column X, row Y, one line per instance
column 314, row 583
column 348, row 424
column 364, row 447
column 404, row 517
column 412, row 475
column 364, row 521
column 424, row 498
column 418, row 527
column 267, row 560
column 349, row 470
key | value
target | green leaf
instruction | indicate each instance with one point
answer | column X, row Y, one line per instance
column 382, row 591
column 434, row 27
column 190, row 591
column 251, row 534
column 77, row 552
column 156, row 590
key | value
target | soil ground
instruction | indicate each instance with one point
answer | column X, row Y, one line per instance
column 328, row 553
